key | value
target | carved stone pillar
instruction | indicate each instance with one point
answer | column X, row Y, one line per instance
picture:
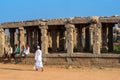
column 69, row 37
column 91, row 38
column 96, row 34
column 35, row 36
column 28, row 36
column 16, row 38
column 61, row 40
column 54, row 39
column 2, row 41
column 110, row 37
column 32, row 46
column 12, row 37
column 39, row 36
column 57, row 40
column 49, row 40
column 87, row 39
column 119, row 24
column 83, row 37
column 104, row 38
column 44, row 39
column 79, row 39
column 22, row 38
column 75, row 39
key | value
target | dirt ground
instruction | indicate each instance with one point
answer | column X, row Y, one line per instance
column 26, row 72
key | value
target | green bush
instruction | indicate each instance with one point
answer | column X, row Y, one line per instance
column 117, row 48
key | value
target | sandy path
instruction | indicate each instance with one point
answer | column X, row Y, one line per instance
column 26, row 72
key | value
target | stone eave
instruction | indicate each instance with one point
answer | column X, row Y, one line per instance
column 80, row 20
column 113, row 20
column 60, row 21
column 21, row 23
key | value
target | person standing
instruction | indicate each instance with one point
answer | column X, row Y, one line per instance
column 38, row 59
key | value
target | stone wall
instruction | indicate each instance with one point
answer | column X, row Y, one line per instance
column 79, row 59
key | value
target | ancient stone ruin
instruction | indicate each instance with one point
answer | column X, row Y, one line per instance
column 65, row 40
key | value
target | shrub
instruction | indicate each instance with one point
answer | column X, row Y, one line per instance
column 117, row 48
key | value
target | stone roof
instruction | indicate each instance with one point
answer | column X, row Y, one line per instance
column 59, row 21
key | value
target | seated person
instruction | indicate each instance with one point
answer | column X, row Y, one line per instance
column 17, row 51
column 8, row 53
column 26, row 51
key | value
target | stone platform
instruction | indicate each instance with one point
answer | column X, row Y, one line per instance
column 78, row 59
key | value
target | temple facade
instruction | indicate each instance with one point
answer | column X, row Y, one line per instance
column 67, row 36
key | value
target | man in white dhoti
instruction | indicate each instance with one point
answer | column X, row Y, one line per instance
column 38, row 59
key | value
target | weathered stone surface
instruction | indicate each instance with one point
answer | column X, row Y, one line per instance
column 110, row 37
column 61, row 21
column 2, row 41
column 44, row 39
column 104, row 38
column 80, row 20
column 69, row 38
column 54, row 34
column 12, row 37
column 22, row 38
column 113, row 19
column 96, row 34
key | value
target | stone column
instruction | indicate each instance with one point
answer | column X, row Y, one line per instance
column 2, row 41
column 62, row 40
column 32, row 46
column 96, row 25
column 27, row 35
column 87, row 39
column 79, row 39
column 49, row 41
column 54, row 39
column 44, row 39
column 104, row 39
column 91, row 39
column 22, row 38
column 35, row 37
column 69, row 37
column 75, row 45
column 12, row 37
column 16, row 38
column 119, row 24
column 83, row 37
column 39, row 36
column 57, row 40
column 110, row 37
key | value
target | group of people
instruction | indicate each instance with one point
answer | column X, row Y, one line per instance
column 11, row 54
column 38, row 55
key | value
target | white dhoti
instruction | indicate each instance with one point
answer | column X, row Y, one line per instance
column 38, row 59
column 38, row 64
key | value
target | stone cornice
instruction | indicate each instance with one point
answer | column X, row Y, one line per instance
column 60, row 21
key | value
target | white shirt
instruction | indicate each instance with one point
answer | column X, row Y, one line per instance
column 38, row 55
column 10, row 50
column 27, row 51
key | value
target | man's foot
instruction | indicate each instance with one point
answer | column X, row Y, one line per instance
column 36, row 69
column 42, row 69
